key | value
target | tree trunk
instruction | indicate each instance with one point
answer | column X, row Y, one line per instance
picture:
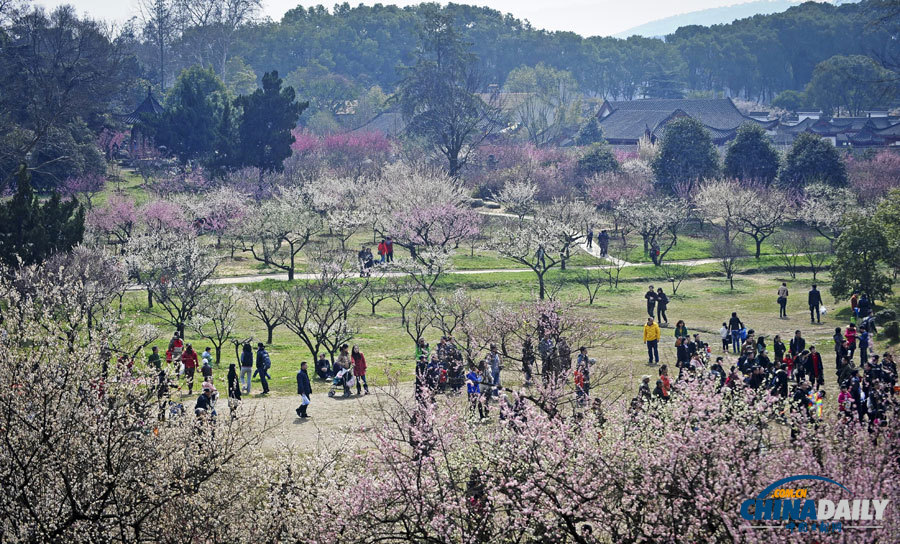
column 758, row 247
column 149, row 299
column 269, row 329
column 218, row 354
column 541, row 286
column 291, row 269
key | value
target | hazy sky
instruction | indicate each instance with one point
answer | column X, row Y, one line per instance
column 586, row 17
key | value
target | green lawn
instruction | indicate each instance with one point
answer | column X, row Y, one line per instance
column 703, row 302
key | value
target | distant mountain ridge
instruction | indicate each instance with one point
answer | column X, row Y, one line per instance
column 711, row 16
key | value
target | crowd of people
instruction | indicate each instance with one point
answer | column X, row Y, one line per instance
column 793, row 370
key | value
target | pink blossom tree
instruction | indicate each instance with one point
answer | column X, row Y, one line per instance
column 874, row 177
column 84, row 188
column 115, row 221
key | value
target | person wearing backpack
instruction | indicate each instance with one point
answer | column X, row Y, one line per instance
column 263, row 363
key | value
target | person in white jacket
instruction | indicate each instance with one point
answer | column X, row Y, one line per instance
column 726, row 338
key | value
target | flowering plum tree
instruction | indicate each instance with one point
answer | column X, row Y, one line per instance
column 84, row 187
column 284, row 222
column 538, row 245
column 215, row 318
column 115, row 221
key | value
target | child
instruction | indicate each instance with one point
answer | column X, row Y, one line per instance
column 473, row 388
column 207, row 356
column 845, row 402
column 207, row 371
column 579, row 386
column 726, row 339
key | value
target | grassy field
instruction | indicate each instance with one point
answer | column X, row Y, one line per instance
column 703, row 302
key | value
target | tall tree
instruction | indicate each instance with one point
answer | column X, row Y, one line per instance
column 860, row 253
column 56, row 70
column 852, row 83
column 160, row 28
column 751, row 155
column 812, row 159
column 438, row 96
column 269, row 115
column 686, row 155
column 189, row 126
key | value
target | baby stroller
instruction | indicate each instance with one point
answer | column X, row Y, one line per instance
column 344, row 379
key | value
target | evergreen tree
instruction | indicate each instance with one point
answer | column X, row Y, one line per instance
column 269, row 115
column 751, row 155
column 189, row 126
column 812, row 159
column 590, row 133
column 31, row 231
column 597, row 159
column 860, row 252
column 686, row 154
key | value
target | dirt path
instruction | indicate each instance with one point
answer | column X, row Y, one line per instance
column 332, row 419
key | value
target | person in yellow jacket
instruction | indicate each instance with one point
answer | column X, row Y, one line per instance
column 651, row 338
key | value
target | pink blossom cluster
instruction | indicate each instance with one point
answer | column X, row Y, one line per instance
column 344, row 154
column 871, row 178
column 551, row 169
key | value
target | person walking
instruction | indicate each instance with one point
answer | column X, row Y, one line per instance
column 650, row 295
column 473, row 389
column 815, row 300
column 382, row 251
column 389, row 248
column 246, row 367
column 651, row 338
column 234, row 389
column 590, row 237
column 189, row 360
column 359, row 369
column 495, row 366
column 798, row 344
column 662, row 302
column 734, row 328
column 782, row 300
column 304, row 389
column 603, row 242
column 262, row 366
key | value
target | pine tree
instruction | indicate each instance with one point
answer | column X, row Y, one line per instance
column 30, row 231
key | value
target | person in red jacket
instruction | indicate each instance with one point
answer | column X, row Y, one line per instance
column 359, row 369
column 189, row 359
column 382, row 251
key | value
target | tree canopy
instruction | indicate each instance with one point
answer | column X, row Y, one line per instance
column 811, row 159
column 686, row 154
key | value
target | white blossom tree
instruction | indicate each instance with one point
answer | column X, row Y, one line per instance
column 657, row 219
column 268, row 306
column 275, row 231
column 538, row 245
column 518, row 197
column 215, row 318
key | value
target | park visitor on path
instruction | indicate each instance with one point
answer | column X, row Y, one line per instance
column 359, row 369
column 304, row 389
column 189, row 360
column 814, row 300
column 246, row 366
column 650, row 295
column 234, row 389
column 262, row 367
column 735, row 326
column 662, row 302
column 651, row 338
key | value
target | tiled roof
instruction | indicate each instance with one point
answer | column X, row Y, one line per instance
column 149, row 106
column 629, row 120
column 389, row 123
